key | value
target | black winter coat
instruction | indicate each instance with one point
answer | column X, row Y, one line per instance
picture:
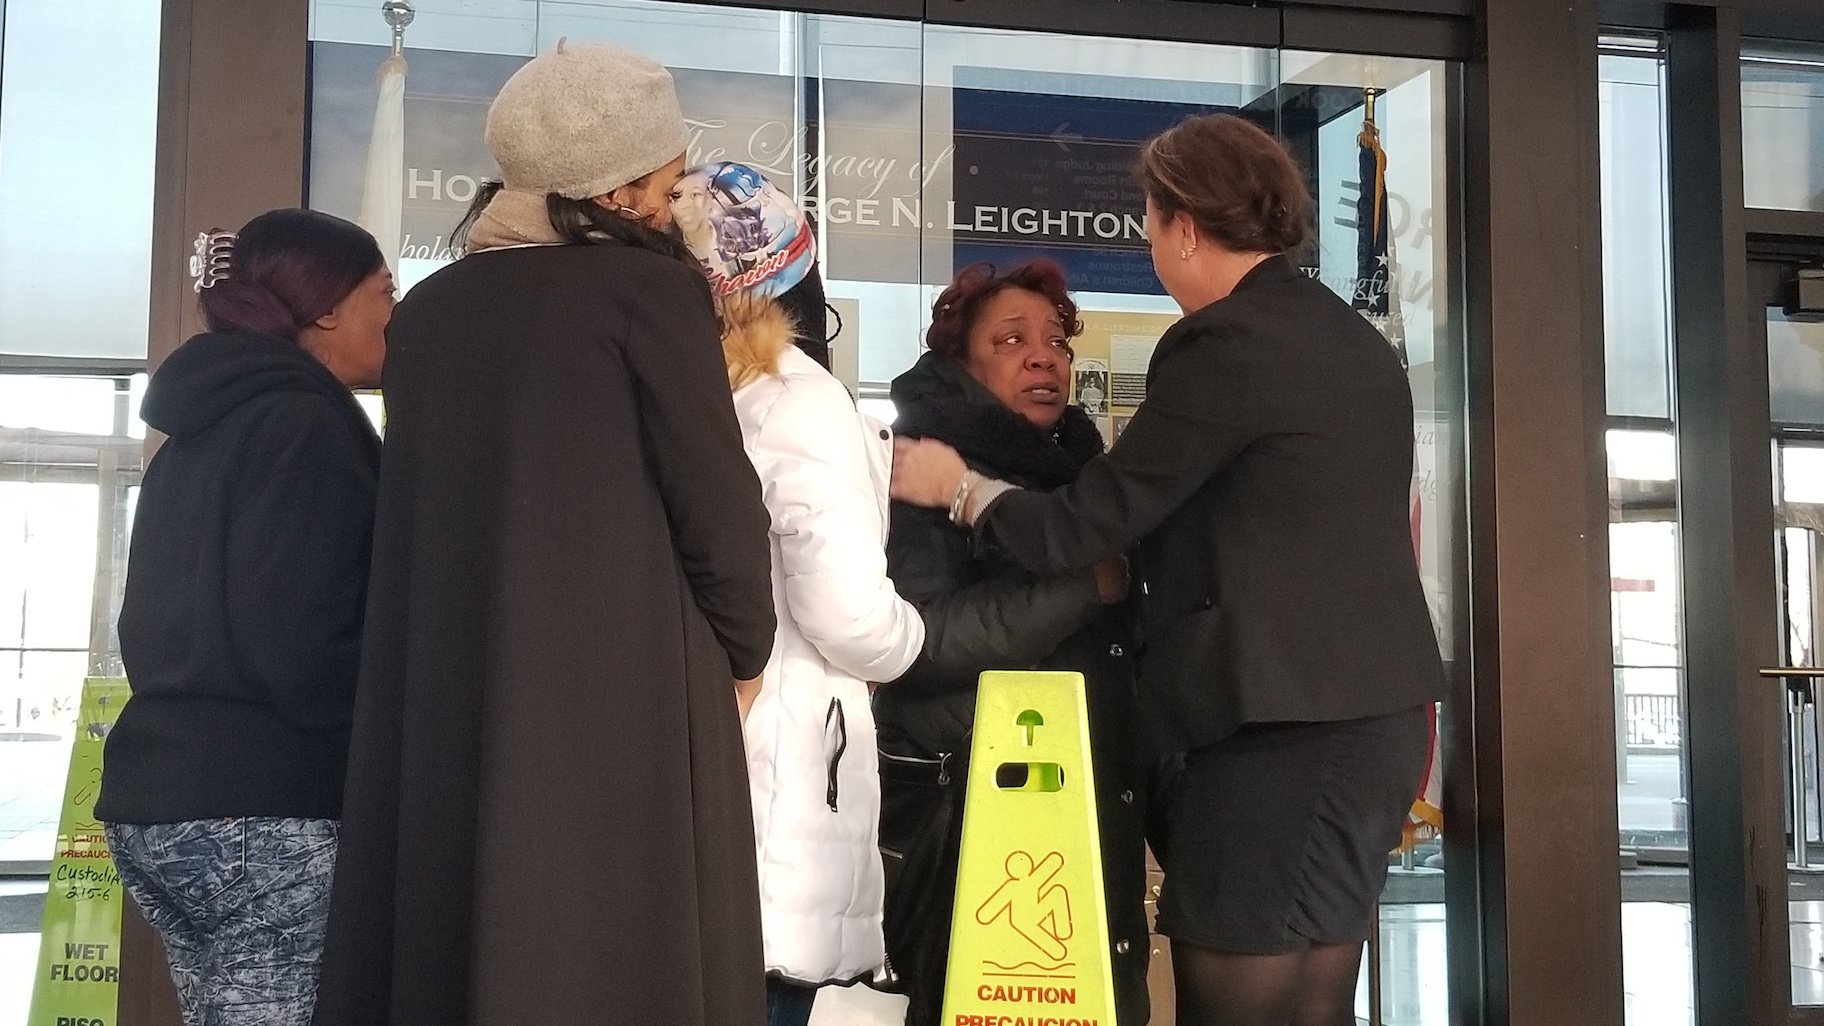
column 984, row 612
column 241, row 624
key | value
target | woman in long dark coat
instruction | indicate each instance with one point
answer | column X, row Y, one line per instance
column 547, row 812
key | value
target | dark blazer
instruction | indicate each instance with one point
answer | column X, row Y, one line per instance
column 1267, row 481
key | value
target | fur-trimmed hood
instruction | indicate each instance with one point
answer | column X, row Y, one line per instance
column 755, row 330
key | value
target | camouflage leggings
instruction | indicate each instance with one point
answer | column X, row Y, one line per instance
column 241, row 905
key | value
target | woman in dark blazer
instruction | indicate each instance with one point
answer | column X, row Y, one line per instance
column 1288, row 651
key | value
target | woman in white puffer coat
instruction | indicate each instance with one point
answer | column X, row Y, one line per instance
column 811, row 755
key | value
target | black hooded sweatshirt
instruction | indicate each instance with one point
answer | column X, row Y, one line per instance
column 241, row 624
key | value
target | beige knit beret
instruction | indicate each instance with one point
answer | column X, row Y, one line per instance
column 584, row 120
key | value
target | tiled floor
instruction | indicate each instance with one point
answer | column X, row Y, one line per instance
column 1413, row 972
column 1656, row 968
column 1656, row 957
column 1808, row 952
column 18, row 961
column 32, row 799
column 18, row 958
column 1656, row 962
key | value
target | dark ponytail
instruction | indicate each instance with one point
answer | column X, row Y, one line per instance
column 586, row 221
column 289, row 268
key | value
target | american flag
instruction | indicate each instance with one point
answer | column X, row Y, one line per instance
column 1376, row 284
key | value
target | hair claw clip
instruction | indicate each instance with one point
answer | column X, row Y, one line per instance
column 209, row 264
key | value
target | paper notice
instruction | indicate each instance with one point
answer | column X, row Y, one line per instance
column 1130, row 355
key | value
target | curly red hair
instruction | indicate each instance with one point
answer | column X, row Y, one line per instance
column 955, row 311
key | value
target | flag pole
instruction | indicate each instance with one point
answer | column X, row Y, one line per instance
column 398, row 15
column 383, row 185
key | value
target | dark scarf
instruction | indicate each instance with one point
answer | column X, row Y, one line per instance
column 938, row 399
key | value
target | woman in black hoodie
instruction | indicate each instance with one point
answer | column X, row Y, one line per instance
column 241, row 624
column 995, row 385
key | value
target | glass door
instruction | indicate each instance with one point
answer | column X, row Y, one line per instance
column 1795, row 356
column 1782, row 130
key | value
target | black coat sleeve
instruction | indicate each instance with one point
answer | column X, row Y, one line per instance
column 297, row 556
column 1205, row 397
column 973, row 623
column 712, row 496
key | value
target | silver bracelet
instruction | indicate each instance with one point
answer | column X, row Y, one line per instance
column 959, row 503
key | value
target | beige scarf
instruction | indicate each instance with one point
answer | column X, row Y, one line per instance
column 512, row 218
column 755, row 331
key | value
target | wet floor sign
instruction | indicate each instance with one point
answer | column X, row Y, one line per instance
column 1029, row 942
column 78, row 977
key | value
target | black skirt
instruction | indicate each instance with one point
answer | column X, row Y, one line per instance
column 1277, row 837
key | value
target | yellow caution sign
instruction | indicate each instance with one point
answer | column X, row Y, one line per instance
column 1029, row 942
column 78, row 981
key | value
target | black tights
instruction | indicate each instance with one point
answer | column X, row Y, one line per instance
column 1315, row 987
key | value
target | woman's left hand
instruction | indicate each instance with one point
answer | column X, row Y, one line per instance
column 925, row 472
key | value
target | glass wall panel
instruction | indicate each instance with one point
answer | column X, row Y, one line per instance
column 1795, row 370
column 1644, row 577
column 1783, row 168
column 1783, row 126
column 921, row 149
column 56, row 436
column 1321, row 112
column 1798, row 476
column 76, row 241
column 1635, row 266
column 69, row 467
column 78, row 123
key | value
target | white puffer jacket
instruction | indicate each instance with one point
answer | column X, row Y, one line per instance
column 811, row 757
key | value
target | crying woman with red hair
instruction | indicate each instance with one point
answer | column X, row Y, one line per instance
column 995, row 386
